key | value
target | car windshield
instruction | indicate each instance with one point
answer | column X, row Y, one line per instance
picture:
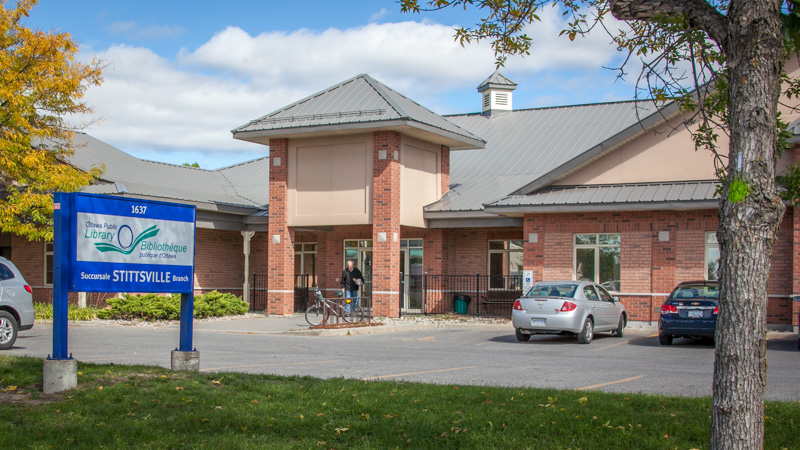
column 696, row 291
column 566, row 290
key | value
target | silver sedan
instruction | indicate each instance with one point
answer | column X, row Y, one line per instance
column 576, row 307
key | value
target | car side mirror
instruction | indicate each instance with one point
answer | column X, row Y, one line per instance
column 615, row 299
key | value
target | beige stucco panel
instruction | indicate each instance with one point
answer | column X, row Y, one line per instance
column 668, row 153
column 664, row 154
column 330, row 181
column 419, row 179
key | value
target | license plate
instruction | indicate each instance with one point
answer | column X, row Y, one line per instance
column 538, row 322
column 695, row 314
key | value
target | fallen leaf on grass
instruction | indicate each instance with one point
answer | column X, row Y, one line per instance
column 583, row 399
column 178, row 388
column 341, row 430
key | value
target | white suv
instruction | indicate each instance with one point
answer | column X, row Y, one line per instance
column 16, row 304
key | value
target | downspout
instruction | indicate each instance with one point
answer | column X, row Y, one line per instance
column 247, row 235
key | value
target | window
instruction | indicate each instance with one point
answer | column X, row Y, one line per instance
column 597, row 259
column 48, row 263
column 505, row 265
column 712, row 257
column 590, row 294
column 5, row 273
column 305, row 262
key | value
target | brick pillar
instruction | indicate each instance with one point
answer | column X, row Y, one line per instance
column 533, row 252
column 386, row 224
column 445, row 169
column 280, row 254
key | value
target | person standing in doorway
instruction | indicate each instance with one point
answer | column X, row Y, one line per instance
column 351, row 281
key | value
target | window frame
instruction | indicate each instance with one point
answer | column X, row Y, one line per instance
column 706, row 247
column 45, row 266
column 596, row 247
column 506, row 251
column 301, row 253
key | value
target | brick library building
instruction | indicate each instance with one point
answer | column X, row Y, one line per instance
column 433, row 207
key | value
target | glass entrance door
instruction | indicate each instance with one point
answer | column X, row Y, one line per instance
column 411, row 266
column 360, row 251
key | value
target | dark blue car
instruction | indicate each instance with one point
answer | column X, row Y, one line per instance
column 690, row 311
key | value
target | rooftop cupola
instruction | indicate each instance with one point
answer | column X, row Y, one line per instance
column 496, row 91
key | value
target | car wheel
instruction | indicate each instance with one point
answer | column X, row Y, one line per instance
column 522, row 337
column 664, row 339
column 619, row 332
column 8, row 330
column 587, row 333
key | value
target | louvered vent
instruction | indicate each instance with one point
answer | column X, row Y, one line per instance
column 487, row 100
column 501, row 98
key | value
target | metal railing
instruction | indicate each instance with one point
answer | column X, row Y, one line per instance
column 419, row 294
column 483, row 294
column 259, row 299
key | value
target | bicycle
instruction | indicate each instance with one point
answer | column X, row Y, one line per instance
column 319, row 312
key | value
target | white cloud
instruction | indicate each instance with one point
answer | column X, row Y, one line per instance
column 151, row 103
column 379, row 15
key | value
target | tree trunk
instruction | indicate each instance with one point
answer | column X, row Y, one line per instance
column 748, row 226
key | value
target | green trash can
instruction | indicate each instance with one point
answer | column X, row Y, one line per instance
column 461, row 303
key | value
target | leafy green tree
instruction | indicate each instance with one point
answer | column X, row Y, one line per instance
column 41, row 84
column 195, row 164
column 723, row 61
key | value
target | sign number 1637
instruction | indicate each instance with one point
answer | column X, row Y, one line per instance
column 138, row 209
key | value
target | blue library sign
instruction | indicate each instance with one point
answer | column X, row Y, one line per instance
column 115, row 244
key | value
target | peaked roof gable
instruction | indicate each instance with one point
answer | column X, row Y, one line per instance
column 358, row 103
column 497, row 80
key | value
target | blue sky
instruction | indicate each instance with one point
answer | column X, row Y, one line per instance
column 180, row 75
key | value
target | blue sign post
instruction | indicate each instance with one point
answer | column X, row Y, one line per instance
column 114, row 244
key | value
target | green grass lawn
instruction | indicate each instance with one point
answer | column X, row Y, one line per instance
column 139, row 406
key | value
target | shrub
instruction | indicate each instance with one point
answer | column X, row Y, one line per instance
column 168, row 307
column 44, row 311
column 217, row 304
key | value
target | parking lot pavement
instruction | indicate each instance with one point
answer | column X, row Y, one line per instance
column 453, row 354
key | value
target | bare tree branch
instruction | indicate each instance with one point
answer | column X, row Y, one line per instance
column 699, row 13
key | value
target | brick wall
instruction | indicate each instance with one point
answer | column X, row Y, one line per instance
column 650, row 266
column 219, row 261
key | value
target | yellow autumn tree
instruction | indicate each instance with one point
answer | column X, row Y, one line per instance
column 41, row 84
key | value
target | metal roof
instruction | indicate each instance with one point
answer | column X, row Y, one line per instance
column 497, row 80
column 524, row 145
column 241, row 185
column 699, row 194
column 356, row 104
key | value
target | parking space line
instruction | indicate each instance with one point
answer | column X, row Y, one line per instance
column 269, row 365
column 624, row 342
column 416, row 373
column 595, row 386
